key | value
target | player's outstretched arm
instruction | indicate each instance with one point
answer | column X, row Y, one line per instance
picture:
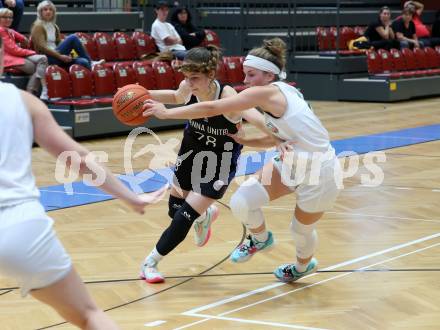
column 168, row 96
column 249, row 98
column 49, row 135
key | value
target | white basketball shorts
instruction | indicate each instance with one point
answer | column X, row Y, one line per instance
column 316, row 190
column 30, row 252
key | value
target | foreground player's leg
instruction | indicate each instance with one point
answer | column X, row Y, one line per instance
column 303, row 228
column 246, row 204
column 176, row 232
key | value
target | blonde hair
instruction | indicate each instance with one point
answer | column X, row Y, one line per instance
column 4, row 11
column 41, row 5
column 273, row 50
column 201, row 59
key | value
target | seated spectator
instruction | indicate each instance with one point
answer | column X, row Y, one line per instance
column 190, row 35
column 46, row 39
column 164, row 34
column 380, row 33
column 405, row 30
column 25, row 60
column 17, row 7
column 435, row 36
column 422, row 31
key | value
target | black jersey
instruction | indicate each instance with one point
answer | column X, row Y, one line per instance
column 211, row 133
column 219, row 164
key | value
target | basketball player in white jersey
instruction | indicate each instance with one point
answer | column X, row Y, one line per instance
column 30, row 252
column 289, row 117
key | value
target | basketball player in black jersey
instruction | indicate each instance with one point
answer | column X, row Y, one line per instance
column 207, row 159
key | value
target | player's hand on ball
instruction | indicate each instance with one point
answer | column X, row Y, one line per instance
column 138, row 205
column 154, row 108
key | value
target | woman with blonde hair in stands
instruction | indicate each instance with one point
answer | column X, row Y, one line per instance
column 30, row 251
column 45, row 35
column 312, row 170
column 25, row 60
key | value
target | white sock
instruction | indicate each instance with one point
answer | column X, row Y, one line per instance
column 153, row 258
column 261, row 237
column 301, row 267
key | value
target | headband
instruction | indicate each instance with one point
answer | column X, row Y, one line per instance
column 264, row 65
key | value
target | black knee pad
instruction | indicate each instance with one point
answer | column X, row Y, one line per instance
column 177, row 230
column 174, row 203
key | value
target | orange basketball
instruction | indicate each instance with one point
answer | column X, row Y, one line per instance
column 128, row 102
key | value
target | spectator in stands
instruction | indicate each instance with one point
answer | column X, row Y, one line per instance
column 46, row 39
column 190, row 35
column 405, row 30
column 164, row 34
column 17, row 7
column 380, row 33
column 422, row 31
column 25, row 60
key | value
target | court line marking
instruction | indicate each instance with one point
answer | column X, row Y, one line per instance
column 358, row 214
column 339, row 265
column 194, row 312
column 273, row 324
column 154, row 323
column 74, row 193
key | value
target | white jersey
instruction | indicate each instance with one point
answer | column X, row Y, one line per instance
column 17, row 183
column 298, row 123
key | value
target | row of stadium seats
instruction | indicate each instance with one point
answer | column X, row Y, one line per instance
column 407, row 63
column 327, row 36
column 122, row 46
column 83, row 87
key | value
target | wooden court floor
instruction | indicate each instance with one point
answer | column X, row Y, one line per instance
column 379, row 249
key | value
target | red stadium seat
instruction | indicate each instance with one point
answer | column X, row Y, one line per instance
column 421, row 60
column 164, row 75
column 82, row 81
column 105, row 46
column 387, row 62
column 104, row 80
column 178, row 76
column 89, row 44
column 234, row 70
column 125, row 47
column 324, row 39
column 221, row 72
column 211, row 38
column 409, row 58
column 359, row 30
column 144, row 74
column 59, row 87
column 58, row 82
column 374, row 62
column 432, row 57
column 144, row 44
column 345, row 35
column 124, row 74
column 398, row 62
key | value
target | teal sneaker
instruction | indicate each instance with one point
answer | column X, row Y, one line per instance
column 202, row 229
column 246, row 250
column 288, row 273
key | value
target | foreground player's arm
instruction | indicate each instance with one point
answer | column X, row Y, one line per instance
column 169, row 96
column 52, row 138
column 249, row 98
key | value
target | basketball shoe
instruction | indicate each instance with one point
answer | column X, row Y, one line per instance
column 202, row 228
column 288, row 272
column 150, row 274
column 246, row 250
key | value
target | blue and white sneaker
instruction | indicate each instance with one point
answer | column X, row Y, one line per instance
column 246, row 250
column 288, row 273
column 202, row 229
